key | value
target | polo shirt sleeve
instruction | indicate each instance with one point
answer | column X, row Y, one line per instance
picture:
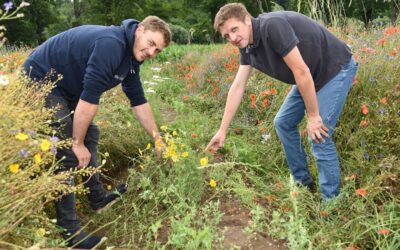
column 280, row 35
column 133, row 89
column 105, row 57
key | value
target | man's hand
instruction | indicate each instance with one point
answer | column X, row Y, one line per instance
column 160, row 148
column 82, row 154
column 216, row 142
column 316, row 129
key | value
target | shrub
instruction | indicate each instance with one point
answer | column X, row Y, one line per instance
column 180, row 35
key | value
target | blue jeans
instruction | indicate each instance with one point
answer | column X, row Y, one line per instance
column 331, row 99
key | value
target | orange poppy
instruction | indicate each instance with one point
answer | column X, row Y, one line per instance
column 361, row 192
column 265, row 103
column 364, row 109
column 364, row 123
column 384, row 232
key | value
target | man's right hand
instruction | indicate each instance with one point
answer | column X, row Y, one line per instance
column 82, row 154
column 160, row 148
column 216, row 142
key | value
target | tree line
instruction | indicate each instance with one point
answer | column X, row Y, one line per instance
column 191, row 20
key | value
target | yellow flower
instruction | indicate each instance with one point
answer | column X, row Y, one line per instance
column 163, row 128
column 45, row 145
column 174, row 133
column 213, row 183
column 14, row 168
column 203, row 161
column 21, row 136
column 148, row 146
column 174, row 158
column 38, row 158
column 185, row 154
column 40, row 232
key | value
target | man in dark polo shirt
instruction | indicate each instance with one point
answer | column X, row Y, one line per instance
column 294, row 49
column 93, row 59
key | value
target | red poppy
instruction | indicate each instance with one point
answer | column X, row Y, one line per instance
column 364, row 123
column 384, row 232
column 364, row 109
column 382, row 41
column 383, row 100
column 265, row 103
column 264, row 93
column 361, row 192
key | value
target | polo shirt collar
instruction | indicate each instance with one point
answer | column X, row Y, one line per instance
column 255, row 23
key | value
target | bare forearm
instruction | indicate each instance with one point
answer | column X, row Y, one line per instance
column 145, row 116
column 232, row 104
column 306, row 87
column 235, row 95
column 83, row 116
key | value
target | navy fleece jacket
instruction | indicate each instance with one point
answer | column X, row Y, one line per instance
column 91, row 59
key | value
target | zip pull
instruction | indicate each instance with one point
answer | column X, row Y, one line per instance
column 132, row 70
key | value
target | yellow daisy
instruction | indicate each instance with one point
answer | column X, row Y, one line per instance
column 45, row 145
column 21, row 136
column 14, row 168
column 203, row 161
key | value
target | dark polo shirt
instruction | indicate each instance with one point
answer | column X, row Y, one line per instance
column 275, row 34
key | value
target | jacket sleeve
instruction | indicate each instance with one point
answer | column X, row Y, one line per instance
column 105, row 57
column 132, row 86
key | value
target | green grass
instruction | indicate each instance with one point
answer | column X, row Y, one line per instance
column 171, row 204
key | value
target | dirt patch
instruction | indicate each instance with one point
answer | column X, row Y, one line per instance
column 236, row 218
column 168, row 115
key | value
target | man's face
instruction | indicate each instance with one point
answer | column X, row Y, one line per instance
column 147, row 44
column 238, row 33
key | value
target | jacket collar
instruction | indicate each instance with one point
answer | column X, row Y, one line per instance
column 130, row 26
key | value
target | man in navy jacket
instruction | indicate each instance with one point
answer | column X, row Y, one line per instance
column 92, row 59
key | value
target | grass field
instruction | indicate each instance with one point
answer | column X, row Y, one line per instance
column 240, row 197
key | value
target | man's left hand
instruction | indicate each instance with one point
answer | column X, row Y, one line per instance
column 316, row 129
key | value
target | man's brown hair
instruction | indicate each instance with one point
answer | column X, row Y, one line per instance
column 155, row 24
column 230, row 10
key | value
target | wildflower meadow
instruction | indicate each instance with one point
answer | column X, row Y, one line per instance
column 240, row 197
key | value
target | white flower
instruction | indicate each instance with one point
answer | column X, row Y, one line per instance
column 4, row 80
column 150, row 91
column 19, row 15
column 156, row 69
column 24, row 4
column 266, row 137
column 150, row 83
